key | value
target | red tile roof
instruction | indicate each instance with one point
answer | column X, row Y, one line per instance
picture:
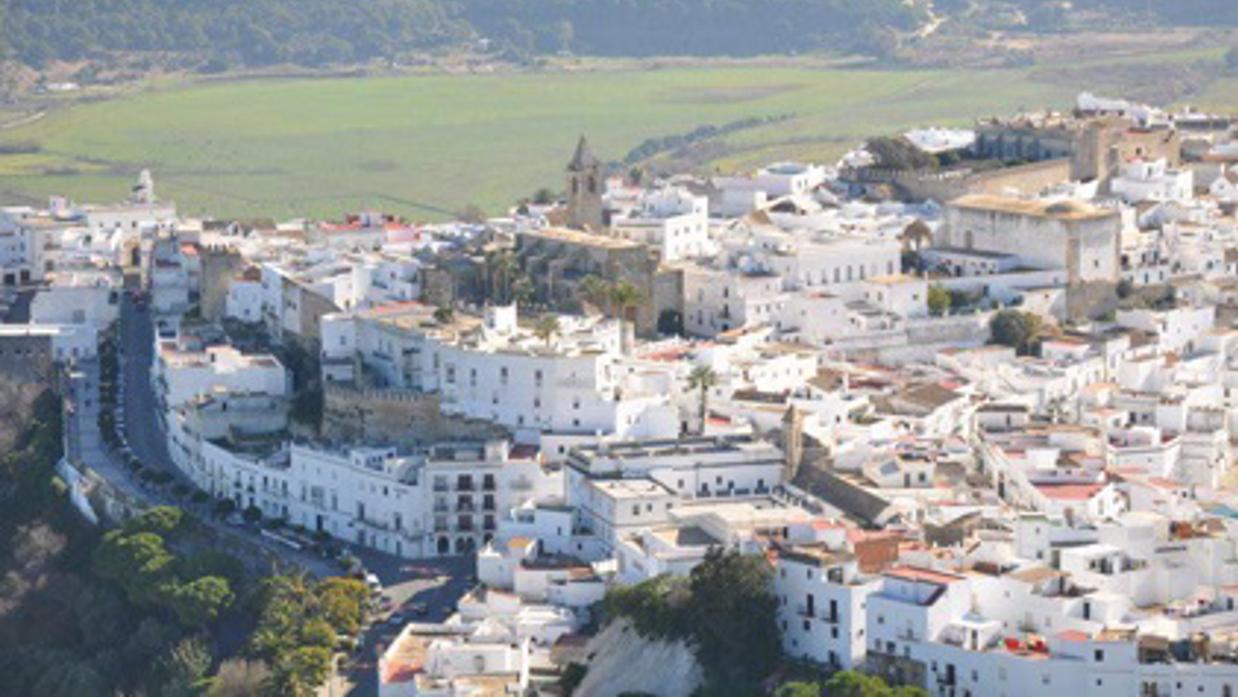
column 1070, row 492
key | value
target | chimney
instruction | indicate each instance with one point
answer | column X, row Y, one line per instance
column 627, row 337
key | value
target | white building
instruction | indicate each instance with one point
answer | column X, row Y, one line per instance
column 822, row 602
column 21, row 252
column 1153, row 180
column 181, row 373
column 670, row 219
column 77, row 297
column 576, row 386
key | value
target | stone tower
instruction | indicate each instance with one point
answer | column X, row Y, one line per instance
column 792, row 442
column 584, row 189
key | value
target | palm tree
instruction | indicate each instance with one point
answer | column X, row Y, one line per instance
column 595, row 292
column 522, row 291
column 501, row 269
column 702, row 378
column 624, row 299
column 547, row 328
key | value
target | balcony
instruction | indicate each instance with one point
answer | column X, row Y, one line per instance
column 465, row 506
column 465, row 485
column 440, row 487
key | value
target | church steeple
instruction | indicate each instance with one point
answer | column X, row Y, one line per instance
column 584, row 189
column 583, row 159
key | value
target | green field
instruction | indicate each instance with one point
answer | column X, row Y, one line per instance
column 428, row 145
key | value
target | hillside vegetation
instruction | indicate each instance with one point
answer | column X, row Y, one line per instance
column 217, row 34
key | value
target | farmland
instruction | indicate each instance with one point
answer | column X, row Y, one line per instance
column 428, row 145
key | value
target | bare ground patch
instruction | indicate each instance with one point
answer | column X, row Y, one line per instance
column 1155, row 83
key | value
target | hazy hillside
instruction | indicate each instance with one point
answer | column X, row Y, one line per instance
column 222, row 33
column 253, row 32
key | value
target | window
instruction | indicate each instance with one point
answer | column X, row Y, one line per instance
column 1100, row 655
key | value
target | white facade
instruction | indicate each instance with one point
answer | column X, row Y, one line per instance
column 671, row 220
column 575, row 384
column 822, row 604
column 21, row 252
column 181, row 375
column 1153, row 180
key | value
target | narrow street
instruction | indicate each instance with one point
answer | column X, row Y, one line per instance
column 433, row 584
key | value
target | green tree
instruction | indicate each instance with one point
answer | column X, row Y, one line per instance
column 139, row 563
column 184, row 670
column 899, row 154
column 849, row 683
column 238, row 677
column 1018, row 330
column 502, row 268
column 71, row 678
column 317, row 632
column 595, row 292
column 733, row 615
column 625, row 298
column 657, row 608
column 161, row 520
column 342, row 601
column 702, row 379
column 523, row 291
column 444, row 315
column 547, row 328
column 798, row 689
column 299, row 672
column 199, row 602
column 938, row 300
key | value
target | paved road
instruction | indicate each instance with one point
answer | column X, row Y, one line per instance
column 436, row 584
column 142, row 419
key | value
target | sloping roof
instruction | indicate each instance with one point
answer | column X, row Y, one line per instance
column 1060, row 210
column 583, row 158
column 851, row 499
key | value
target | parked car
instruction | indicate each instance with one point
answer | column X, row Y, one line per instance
column 376, row 586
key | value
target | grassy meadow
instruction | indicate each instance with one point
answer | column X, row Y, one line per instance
column 428, row 145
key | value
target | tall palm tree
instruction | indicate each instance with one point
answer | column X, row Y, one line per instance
column 595, row 292
column 547, row 328
column 624, row 299
column 522, row 291
column 501, row 270
column 702, row 378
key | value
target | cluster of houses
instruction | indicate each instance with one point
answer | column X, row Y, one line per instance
column 801, row 363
